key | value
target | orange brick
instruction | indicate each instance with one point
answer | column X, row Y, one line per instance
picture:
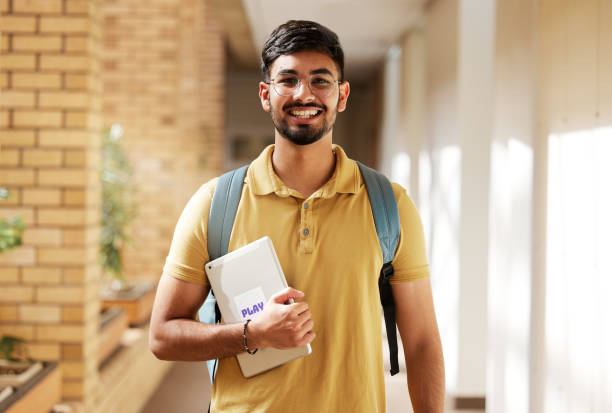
column 4, row 118
column 64, row 138
column 17, row 62
column 62, row 333
column 9, row 275
column 3, row 80
column 16, row 99
column 11, row 294
column 41, row 275
column 9, row 157
column 42, row 157
column 17, row 176
column 75, row 158
column 61, row 216
column 36, row 118
column 40, row 314
column 74, row 197
column 70, row 100
column 72, row 314
column 17, row 24
column 4, row 42
column 77, row 81
column 64, row 24
column 72, row 389
column 22, row 331
column 26, row 43
column 4, row 6
column 37, row 80
column 42, row 236
column 27, row 214
column 73, row 369
column 77, row 120
column 63, row 177
column 40, row 351
column 77, row 44
column 37, row 6
column 74, row 237
column 64, row 294
column 72, row 352
column 77, row 6
column 67, row 256
column 8, row 313
column 41, row 197
column 14, row 197
column 14, row 137
column 18, row 256
column 65, row 63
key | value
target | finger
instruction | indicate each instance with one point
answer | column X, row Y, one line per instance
column 307, row 339
column 303, row 317
column 286, row 294
column 298, row 308
column 306, row 326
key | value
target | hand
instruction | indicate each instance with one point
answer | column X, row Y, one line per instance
column 282, row 325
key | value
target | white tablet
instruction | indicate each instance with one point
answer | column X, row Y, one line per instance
column 243, row 281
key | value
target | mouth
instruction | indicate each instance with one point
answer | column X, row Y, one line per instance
column 305, row 113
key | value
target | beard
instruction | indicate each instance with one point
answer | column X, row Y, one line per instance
column 304, row 134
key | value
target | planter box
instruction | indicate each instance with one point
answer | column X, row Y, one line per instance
column 16, row 373
column 38, row 394
column 113, row 323
column 136, row 300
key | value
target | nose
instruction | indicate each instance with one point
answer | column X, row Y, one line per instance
column 303, row 92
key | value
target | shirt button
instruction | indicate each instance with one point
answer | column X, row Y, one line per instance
column 305, row 205
column 305, row 232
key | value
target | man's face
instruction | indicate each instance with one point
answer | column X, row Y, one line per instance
column 303, row 117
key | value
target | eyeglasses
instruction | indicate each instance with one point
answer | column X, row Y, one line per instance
column 321, row 85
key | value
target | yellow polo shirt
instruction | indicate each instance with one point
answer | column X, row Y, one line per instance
column 336, row 263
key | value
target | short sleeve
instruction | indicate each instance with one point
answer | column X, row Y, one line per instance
column 410, row 262
column 188, row 252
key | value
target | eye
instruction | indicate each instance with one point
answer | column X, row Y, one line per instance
column 321, row 82
column 288, row 81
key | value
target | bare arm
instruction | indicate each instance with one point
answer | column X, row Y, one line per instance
column 176, row 335
column 416, row 321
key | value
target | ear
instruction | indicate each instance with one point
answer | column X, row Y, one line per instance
column 264, row 96
column 345, row 90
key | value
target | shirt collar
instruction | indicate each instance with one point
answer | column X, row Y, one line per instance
column 262, row 179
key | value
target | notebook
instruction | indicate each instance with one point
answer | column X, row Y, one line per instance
column 243, row 281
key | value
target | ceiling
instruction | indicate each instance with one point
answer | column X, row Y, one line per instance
column 366, row 28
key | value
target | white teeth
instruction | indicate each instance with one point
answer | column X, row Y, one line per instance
column 304, row 113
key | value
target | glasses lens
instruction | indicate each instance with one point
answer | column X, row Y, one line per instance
column 321, row 85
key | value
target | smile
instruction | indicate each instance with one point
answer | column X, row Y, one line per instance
column 305, row 114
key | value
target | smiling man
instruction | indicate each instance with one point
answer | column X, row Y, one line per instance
column 310, row 199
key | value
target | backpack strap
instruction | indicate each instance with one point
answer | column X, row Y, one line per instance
column 386, row 218
column 220, row 222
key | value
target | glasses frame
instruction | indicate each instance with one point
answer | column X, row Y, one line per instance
column 318, row 94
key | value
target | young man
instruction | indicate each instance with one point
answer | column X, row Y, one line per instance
column 309, row 198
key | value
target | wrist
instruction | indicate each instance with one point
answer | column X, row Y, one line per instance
column 254, row 335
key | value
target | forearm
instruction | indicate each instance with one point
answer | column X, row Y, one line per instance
column 426, row 382
column 189, row 340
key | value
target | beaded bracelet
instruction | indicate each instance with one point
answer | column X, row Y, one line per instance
column 244, row 339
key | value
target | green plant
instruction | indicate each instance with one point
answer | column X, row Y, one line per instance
column 12, row 348
column 11, row 229
column 117, row 204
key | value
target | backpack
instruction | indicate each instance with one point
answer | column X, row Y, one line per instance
column 386, row 218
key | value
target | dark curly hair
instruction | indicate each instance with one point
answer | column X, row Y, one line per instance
column 299, row 35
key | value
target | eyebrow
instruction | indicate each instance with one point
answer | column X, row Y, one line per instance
column 312, row 72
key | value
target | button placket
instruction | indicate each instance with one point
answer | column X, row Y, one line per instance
column 306, row 241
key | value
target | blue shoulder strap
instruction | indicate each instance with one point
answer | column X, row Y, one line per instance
column 384, row 210
column 386, row 218
column 220, row 222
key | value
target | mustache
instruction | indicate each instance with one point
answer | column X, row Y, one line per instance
column 302, row 105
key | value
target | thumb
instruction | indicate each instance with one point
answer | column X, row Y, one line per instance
column 284, row 295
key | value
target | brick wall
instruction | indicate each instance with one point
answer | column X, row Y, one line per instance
column 163, row 81
column 67, row 70
column 49, row 132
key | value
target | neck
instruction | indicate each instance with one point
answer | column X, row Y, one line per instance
column 304, row 168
